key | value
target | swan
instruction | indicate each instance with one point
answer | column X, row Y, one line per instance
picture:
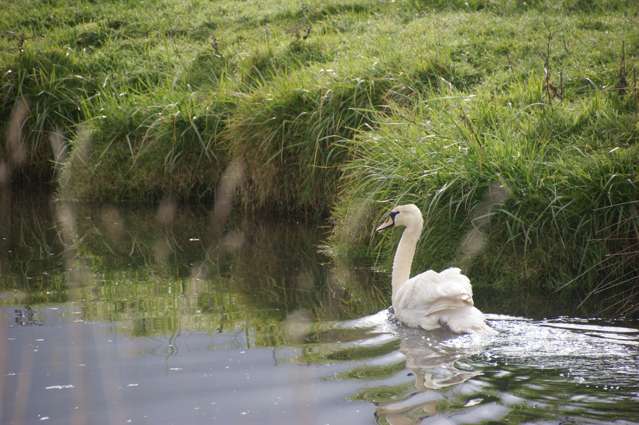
column 429, row 300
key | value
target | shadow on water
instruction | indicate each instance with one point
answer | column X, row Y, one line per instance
column 113, row 315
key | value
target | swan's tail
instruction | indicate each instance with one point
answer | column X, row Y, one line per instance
column 466, row 320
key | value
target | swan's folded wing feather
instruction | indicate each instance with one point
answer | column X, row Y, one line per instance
column 432, row 292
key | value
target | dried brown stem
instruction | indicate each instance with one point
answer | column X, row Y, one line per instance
column 622, row 84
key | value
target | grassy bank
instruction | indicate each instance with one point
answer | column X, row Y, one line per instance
column 349, row 107
column 511, row 209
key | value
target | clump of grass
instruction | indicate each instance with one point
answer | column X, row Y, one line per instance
column 52, row 86
column 266, row 62
column 206, row 70
column 141, row 149
column 289, row 134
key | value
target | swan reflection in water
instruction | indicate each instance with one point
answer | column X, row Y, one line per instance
column 435, row 360
column 439, row 361
column 417, row 376
column 438, row 358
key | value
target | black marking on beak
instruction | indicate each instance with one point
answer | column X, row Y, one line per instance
column 389, row 222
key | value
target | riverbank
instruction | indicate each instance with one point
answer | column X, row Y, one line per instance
column 526, row 176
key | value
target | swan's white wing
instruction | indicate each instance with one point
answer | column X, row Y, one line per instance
column 430, row 292
column 430, row 300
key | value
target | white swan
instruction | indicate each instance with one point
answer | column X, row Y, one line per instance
column 429, row 300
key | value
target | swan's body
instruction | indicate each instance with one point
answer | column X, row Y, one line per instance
column 429, row 300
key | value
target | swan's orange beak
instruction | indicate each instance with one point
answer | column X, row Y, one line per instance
column 389, row 222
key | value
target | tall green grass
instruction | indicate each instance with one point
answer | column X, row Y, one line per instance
column 53, row 87
column 143, row 148
column 289, row 134
column 565, row 215
column 71, row 58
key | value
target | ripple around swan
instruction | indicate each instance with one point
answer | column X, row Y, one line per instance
column 531, row 371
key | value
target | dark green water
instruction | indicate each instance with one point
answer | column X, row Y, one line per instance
column 115, row 316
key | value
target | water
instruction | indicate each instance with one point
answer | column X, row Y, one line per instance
column 115, row 316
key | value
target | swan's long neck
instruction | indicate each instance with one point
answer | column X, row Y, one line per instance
column 404, row 255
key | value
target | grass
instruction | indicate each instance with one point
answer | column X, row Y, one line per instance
column 144, row 149
column 510, row 202
column 345, row 108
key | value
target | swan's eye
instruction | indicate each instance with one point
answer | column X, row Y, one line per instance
column 393, row 214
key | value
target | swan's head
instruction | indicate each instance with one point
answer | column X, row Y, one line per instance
column 403, row 215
